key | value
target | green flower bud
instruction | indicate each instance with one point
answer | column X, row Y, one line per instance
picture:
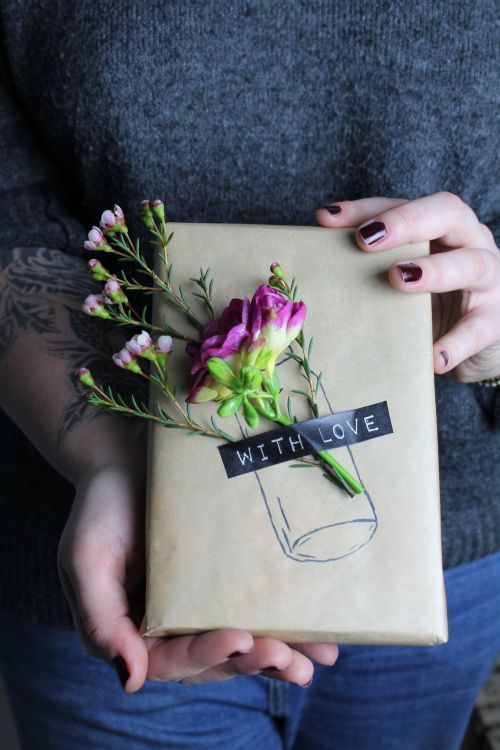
column 230, row 406
column 263, row 358
column 266, row 408
column 85, row 377
column 159, row 209
column 147, row 214
column 251, row 377
column 222, row 373
column 277, row 270
column 250, row 414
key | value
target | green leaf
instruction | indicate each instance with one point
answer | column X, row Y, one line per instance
column 230, row 406
column 250, row 414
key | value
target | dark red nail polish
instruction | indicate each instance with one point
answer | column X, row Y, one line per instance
column 445, row 356
column 410, row 271
column 307, row 684
column 373, row 232
column 333, row 210
column 239, row 653
column 121, row 670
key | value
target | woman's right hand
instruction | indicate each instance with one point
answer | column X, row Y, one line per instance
column 102, row 568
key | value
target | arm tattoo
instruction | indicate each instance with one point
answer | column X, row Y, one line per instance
column 42, row 290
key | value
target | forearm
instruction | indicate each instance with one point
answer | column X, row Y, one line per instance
column 44, row 339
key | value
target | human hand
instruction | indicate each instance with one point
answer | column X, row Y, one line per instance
column 101, row 564
column 462, row 271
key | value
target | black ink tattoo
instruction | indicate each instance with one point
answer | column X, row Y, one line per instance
column 42, row 290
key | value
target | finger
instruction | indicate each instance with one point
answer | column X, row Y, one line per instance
column 269, row 657
column 300, row 671
column 464, row 268
column 185, row 656
column 353, row 213
column 323, row 653
column 101, row 613
column 441, row 216
column 473, row 333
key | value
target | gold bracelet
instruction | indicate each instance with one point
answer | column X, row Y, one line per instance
column 491, row 382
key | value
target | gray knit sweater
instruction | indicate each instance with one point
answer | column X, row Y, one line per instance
column 252, row 112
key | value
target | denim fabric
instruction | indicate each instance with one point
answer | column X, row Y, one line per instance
column 374, row 698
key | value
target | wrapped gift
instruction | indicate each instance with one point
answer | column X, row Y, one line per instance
column 248, row 533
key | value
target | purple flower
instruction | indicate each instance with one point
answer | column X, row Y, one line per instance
column 247, row 333
column 275, row 321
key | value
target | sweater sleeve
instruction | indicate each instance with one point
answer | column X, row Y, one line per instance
column 32, row 210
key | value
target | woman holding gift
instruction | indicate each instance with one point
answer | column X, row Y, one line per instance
column 85, row 122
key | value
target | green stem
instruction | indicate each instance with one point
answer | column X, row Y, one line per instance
column 330, row 460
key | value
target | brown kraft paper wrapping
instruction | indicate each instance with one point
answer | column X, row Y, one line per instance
column 282, row 551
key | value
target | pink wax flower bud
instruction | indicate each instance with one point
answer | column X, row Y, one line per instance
column 139, row 344
column 96, row 241
column 113, row 221
column 165, row 344
column 85, row 377
column 114, row 291
column 94, row 304
column 126, row 361
column 108, row 220
column 147, row 214
column 158, row 208
column 277, row 270
column 97, row 270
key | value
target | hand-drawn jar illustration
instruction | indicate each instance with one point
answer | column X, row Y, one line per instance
column 334, row 526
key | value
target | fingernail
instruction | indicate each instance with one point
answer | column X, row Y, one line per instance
column 373, row 232
column 410, row 271
column 333, row 210
column 121, row 670
column 445, row 356
column 239, row 653
column 307, row 683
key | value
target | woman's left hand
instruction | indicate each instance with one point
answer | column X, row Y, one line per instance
column 462, row 271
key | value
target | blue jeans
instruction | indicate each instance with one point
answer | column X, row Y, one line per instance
column 374, row 698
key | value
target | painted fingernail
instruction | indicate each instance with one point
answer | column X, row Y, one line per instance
column 121, row 670
column 445, row 356
column 307, row 684
column 333, row 210
column 410, row 271
column 373, row 232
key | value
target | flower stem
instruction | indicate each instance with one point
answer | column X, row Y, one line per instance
column 330, row 460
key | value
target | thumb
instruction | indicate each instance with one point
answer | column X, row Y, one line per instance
column 100, row 610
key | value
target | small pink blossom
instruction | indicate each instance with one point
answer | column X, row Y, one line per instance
column 108, row 219
column 112, row 286
column 113, row 290
column 165, row 344
column 122, row 358
column 93, row 304
column 96, row 240
column 113, row 221
column 139, row 343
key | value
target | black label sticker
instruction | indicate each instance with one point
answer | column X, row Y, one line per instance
column 303, row 438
